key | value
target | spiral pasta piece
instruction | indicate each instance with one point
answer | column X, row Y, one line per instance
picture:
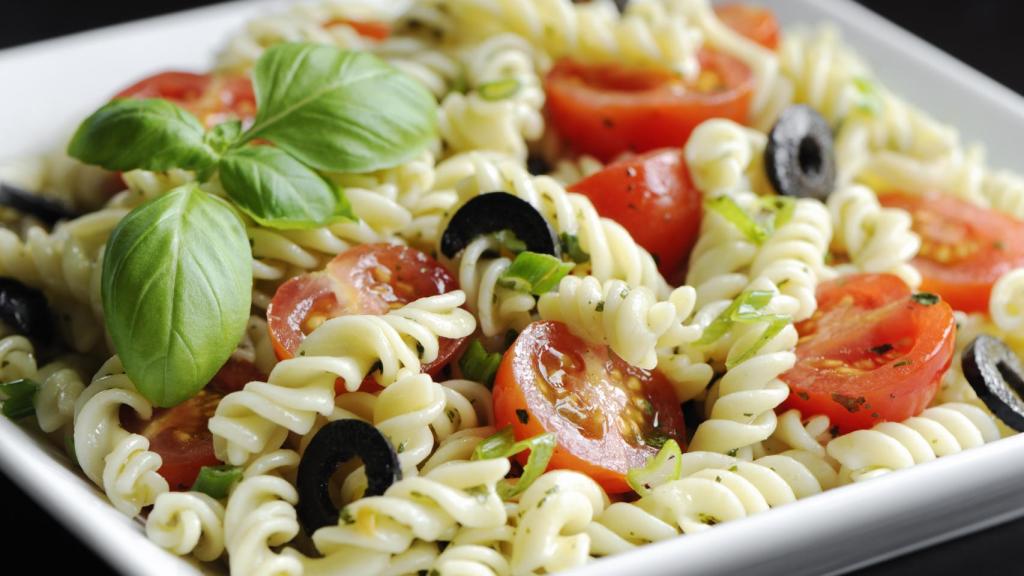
column 713, row 488
column 496, row 307
column 723, row 156
column 592, row 33
column 257, row 418
column 116, row 460
column 1004, row 192
column 187, row 523
column 631, row 321
column 875, row 239
column 1006, row 304
column 938, row 431
column 427, row 508
column 740, row 406
column 56, row 175
column 17, row 358
column 555, row 511
column 613, row 252
column 260, row 514
column 570, row 171
column 793, row 433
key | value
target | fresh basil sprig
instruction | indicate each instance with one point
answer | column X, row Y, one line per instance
column 177, row 286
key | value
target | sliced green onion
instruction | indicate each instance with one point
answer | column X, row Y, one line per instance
column 869, row 100
column 479, row 365
column 69, row 449
column 503, row 445
column 746, row 306
column 776, row 323
column 19, row 398
column 727, row 208
column 784, row 208
column 499, row 89
column 571, row 248
column 216, row 481
column 535, row 273
column 509, row 241
column 665, row 467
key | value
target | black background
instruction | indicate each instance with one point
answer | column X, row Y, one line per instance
column 984, row 34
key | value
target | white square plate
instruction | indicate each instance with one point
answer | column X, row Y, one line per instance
column 48, row 87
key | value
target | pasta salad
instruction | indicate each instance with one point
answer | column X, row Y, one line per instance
column 503, row 287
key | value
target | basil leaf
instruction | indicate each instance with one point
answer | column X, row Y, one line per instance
column 176, row 287
column 132, row 134
column 337, row 110
column 278, row 191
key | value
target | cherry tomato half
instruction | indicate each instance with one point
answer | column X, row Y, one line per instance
column 965, row 248
column 871, row 352
column 366, row 279
column 756, row 23
column 212, row 98
column 607, row 110
column 608, row 416
column 180, row 435
column 653, row 197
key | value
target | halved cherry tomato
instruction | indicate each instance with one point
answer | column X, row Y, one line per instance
column 212, row 98
column 180, row 436
column 375, row 30
column 965, row 248
column 871, row 352
column 366, row 279
column 756, row 23
column 608, row 416
column 607, row 110
column 653, row 197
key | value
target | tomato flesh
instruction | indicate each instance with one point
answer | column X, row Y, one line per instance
column 366, row 279
column 872, row 352
column 211, row 98
column 181, row 436
column 756, row 23
column 653, row 197
column 608, row 109
column 965, row 248
column 608, row 417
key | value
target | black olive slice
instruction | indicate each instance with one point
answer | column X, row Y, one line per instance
column 26, row 311
column 799, row 157
column 333, row 445
column 494, row 212
column 47, row 210
column 996, row 374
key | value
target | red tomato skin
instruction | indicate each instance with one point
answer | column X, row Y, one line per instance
column 605, row 460
column 366, row 29
column 653, row 197
column 899, row 387
column 607, row 110
column 754, row 22
column 998, row 241
column 213, row 99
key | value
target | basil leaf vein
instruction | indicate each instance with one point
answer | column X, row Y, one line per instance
column 280, row 192
column 176, row 288
column 152, row 134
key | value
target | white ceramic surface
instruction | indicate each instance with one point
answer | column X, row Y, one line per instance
column 48, row 86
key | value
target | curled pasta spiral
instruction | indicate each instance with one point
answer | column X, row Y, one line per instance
column 428, row 508
column 78, row 186
column 257, row 418
column 17, row 358
column 591, row 33
column 187, row 523
column 714, row 488
column 569, row 171
column 724, row 156
column 938, row 431
column 435, row 69
column 260, row 514
column 792, row 432
column 793, row 258
column 502, row 122
column 1006, row 304
column 613, row 252
column 631, row 321
column 496, row 307
column 116, row 460
column 60, row 382
column 740, row 406
column 875, row 239
column 554, row 513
